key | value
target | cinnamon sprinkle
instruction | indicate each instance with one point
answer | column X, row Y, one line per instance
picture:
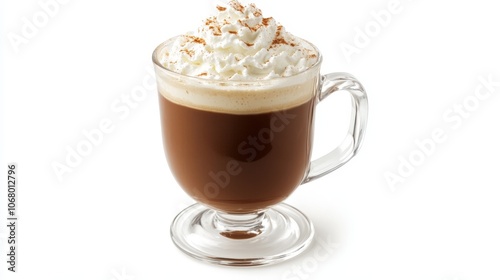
column 278, row 39
column 216, row 30
column 212, row 24
column 257, row 12
column 188, row 52
column 265, row 21
column 249, row 44
column 195, row 39
column 237, row 6
column 221, row 8
column 253, row 29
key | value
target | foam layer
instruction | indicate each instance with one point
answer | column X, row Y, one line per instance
column 239, row 43
column 237, row 98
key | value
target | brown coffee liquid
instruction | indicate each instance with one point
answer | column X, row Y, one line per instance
column 235, row 162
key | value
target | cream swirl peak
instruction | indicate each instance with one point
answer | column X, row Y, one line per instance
column 239, row 43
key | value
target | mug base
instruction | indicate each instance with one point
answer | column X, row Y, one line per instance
column 268, row 237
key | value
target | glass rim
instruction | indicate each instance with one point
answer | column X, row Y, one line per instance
column 161, row 46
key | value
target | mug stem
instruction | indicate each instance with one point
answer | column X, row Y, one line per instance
column 240, row 226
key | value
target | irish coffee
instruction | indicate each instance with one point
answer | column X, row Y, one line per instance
column 237, row 98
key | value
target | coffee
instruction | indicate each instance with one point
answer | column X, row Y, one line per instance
column 237, row 162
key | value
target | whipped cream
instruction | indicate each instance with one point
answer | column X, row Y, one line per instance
column 239, row 43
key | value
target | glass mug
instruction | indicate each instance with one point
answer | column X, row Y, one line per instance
column 239, row 148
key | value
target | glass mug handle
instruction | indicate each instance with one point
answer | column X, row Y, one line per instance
column 331, row 83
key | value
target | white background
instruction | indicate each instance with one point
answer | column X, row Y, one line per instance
column 109, row 217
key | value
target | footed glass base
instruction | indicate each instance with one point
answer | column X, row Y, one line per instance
column 268, row 237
